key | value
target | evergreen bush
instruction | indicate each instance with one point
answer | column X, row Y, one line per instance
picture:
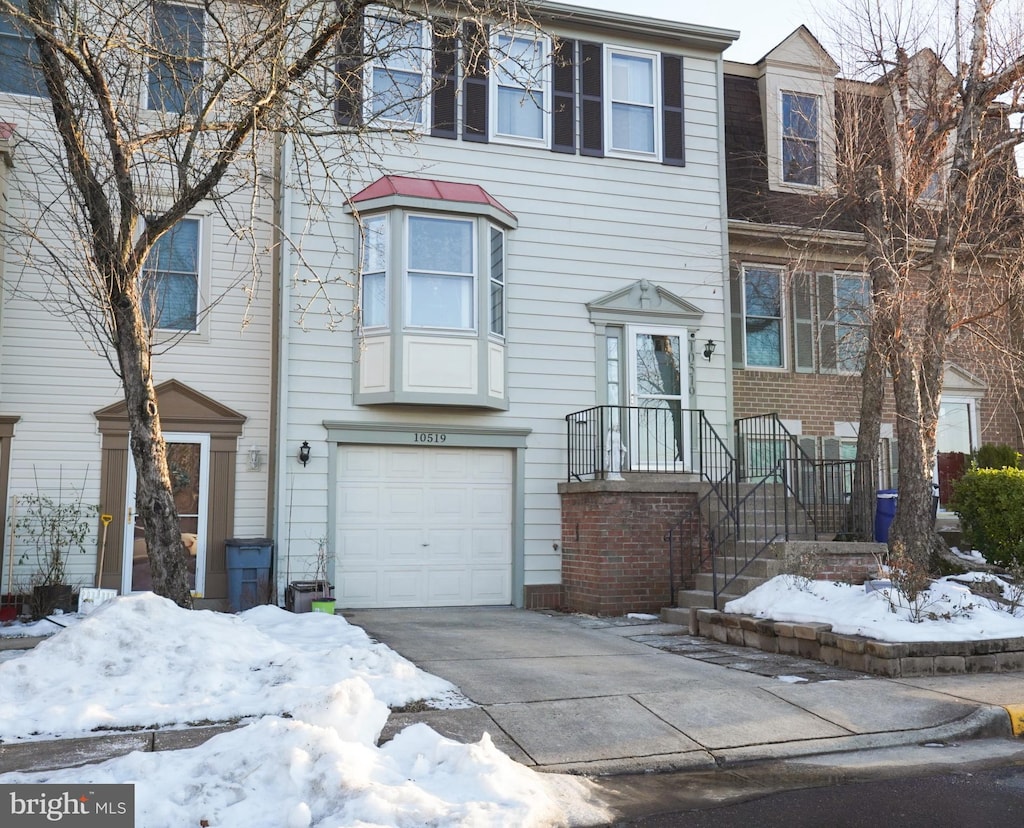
column 991, row 456
column 990, row 504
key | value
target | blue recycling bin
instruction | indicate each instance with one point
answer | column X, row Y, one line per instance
column 885, row 511
column 248, row 565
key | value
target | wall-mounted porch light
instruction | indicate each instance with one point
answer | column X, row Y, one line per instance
column 709, row 349
column 304, row 452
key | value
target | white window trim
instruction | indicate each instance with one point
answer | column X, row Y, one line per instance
column 819, row 172
column 656, row 93
column 426, row 40
column 201, row 333
column 772, row 84
column 487, row 229
column 386, row 218
column 544, row 140
column 407, row 325
column 784, row 326
column 144, row 91
column 836, row 276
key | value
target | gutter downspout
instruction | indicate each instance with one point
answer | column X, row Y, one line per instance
column 280, row 371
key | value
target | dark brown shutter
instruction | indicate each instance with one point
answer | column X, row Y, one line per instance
column 348, row 102
column 827, row 322
column 803, row 323
column 442, row 95
column 563, row 98
column 736, row 313
column 474, row 105
column 591, row 104
column 672, row 110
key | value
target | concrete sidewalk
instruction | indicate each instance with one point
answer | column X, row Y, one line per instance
column 594, row 695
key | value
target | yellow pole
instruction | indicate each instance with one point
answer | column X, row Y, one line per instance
column 103, row 548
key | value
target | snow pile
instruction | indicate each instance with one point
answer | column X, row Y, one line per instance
column 947, row 611
column 141, row 660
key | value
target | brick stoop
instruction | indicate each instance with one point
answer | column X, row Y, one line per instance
column 855, row 652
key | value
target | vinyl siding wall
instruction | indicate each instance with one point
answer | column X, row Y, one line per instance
column 587, row 227
column 54, row 379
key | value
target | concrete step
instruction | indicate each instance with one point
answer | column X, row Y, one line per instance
column 740, row 585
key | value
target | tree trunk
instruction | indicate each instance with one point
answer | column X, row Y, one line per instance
column 154, row 506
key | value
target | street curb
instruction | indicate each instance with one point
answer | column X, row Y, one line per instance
column 1016, row 712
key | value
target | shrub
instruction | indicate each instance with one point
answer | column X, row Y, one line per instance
column 991, row 456
column 990, row 504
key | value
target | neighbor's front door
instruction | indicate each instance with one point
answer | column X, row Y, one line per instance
column 658, row 433
column 188, row 462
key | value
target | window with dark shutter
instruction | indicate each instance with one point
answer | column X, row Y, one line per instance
column 442, row 95
column 475, row 58
column 591, row 104
column 672, row 117
column 348, row 102
column 563, row 99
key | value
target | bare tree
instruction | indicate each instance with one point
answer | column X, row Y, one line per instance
column 925, row 161
column 147, row 109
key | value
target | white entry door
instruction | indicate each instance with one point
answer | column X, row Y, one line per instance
column 423, row 526
column 658, row 433
column 188, row 461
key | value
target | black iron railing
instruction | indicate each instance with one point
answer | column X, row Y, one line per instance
column 608, row 441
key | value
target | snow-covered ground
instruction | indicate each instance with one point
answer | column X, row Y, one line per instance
column 948, row 611
column 313, row 693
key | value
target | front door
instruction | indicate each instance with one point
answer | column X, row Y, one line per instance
column 188, row 462
column 955, row 441
column 658, row 434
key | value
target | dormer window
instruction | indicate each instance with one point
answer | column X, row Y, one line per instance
column 801, row 135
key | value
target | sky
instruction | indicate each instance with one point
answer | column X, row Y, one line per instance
column 313, row 693
column 762, row 23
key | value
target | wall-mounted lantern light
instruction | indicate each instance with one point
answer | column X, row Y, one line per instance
column 304, row 452
column 255, row 458
column 709, row 349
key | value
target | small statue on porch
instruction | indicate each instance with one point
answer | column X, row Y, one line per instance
column 615, row 454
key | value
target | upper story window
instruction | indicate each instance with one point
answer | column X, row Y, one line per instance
column 396, row 73
column 801, row 131
column 520, row 87
column 763, row 317
column 461, row 80
column 633, row 119
column 176, row 67
column 170, row 278
column 19, row 58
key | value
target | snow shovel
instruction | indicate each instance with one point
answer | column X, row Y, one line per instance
column 88, row 598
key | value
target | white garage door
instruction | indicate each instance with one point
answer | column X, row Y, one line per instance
column 420, row 527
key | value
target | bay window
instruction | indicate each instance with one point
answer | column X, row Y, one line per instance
column 442, row 273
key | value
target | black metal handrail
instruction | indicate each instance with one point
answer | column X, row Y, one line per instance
column 607, row 441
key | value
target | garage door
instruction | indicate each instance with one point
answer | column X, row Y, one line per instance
column 419, row 527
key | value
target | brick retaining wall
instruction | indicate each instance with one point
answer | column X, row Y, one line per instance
column 867, row 655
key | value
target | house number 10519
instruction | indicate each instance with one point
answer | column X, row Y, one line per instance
column 430, row 437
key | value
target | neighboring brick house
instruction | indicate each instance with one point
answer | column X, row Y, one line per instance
column 799, row 294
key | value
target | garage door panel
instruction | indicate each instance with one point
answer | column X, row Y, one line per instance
column 404, row 545
column 491, row 505
column 489, row 585
column 424, row 526
column 360, row 463
column 403, row 464
column 447, row 546
column 490, row 545
column 357, row 588
column 358, row 545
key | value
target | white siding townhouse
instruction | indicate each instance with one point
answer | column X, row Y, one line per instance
column 63, row 424
column 551, row 237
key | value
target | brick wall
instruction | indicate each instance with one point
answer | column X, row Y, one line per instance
column 614, row 553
